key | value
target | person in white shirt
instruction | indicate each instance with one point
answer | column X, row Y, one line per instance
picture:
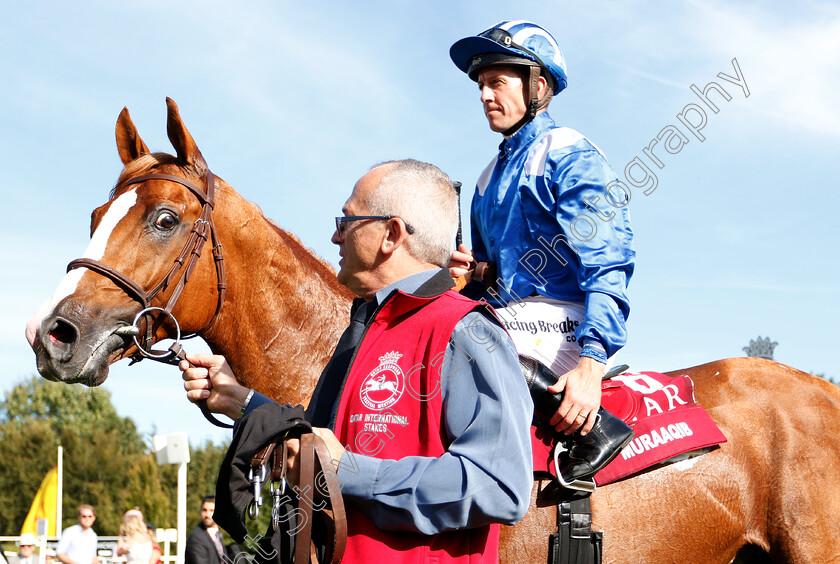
column 78, row 543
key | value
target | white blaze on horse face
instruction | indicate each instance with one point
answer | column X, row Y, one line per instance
column 95, row 250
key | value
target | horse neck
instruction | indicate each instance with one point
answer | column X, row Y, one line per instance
column 284, row 309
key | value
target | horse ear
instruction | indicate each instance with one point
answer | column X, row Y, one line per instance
column 129, row 144
column 181, row 139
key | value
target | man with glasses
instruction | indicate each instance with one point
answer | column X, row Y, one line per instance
column 551, row 221
column 26, row 548
column 423, row 405
column 78, row 543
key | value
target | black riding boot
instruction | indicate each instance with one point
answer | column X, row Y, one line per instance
column 588, row 454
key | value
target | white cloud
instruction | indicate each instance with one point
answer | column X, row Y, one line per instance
column 789, row 54
column 791, row 64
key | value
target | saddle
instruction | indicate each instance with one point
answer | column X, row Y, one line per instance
column 669, row 426
column 308, row 523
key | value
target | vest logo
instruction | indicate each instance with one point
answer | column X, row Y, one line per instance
column 385, row 384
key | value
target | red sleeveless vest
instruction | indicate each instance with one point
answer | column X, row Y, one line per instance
column 391, row 408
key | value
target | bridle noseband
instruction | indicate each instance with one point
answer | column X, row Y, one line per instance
column 181, row 271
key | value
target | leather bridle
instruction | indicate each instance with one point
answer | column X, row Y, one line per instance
column 180, row 271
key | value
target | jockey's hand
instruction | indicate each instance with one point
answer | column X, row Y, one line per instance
column 582, row 387
column 293, row 448
column 209, row 377
column 459, row 263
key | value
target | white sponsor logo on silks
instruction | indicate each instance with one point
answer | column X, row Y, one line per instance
column 655, row 438
column 385, row 384
column 644, row 384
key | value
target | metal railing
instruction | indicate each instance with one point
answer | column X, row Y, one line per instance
column 105, row 547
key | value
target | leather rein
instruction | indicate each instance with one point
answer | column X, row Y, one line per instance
column 318, row 492
column 180, row 271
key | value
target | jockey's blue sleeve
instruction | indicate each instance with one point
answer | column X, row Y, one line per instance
column 486, row 474
column 550, row 213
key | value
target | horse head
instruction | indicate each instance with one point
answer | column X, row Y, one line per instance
column 135, row 259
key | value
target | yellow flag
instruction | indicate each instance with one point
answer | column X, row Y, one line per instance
column 45, row 504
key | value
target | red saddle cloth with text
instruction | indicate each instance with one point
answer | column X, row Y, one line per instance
column 664, row 415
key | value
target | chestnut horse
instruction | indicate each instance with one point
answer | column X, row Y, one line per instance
column 773, row 488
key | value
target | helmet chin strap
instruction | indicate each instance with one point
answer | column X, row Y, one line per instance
column 531, row 91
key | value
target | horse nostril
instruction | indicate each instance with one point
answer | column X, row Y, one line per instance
column 62, row 333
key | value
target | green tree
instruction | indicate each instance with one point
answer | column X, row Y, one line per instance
column 107, row 462
column 152, row 488
column 87, row 410
column 23, row 464
column 101, row 450
column 203, row 472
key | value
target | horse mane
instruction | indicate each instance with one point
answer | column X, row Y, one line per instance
column 307, row 257
column 310, row 260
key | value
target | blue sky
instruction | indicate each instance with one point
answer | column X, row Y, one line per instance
column 291, row 102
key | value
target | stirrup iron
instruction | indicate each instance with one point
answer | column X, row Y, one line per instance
column 577, row 485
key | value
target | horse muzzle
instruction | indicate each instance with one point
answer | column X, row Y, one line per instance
column 66, row 352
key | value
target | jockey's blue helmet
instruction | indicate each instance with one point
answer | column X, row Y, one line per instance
column 512, row 42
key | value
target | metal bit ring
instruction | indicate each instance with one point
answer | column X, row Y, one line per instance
column 152, row 353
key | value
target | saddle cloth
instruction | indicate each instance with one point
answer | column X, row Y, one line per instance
column 661, row 410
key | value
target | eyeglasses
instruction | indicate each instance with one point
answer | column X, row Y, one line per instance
column 341, row 220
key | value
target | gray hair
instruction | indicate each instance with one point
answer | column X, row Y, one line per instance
column 422, row 195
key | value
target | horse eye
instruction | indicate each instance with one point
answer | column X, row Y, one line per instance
column 166, row 221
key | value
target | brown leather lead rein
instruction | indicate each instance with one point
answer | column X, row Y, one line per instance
column 186, row 262
column 316, row 472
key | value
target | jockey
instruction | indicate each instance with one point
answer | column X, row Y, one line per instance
column 551, row 236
